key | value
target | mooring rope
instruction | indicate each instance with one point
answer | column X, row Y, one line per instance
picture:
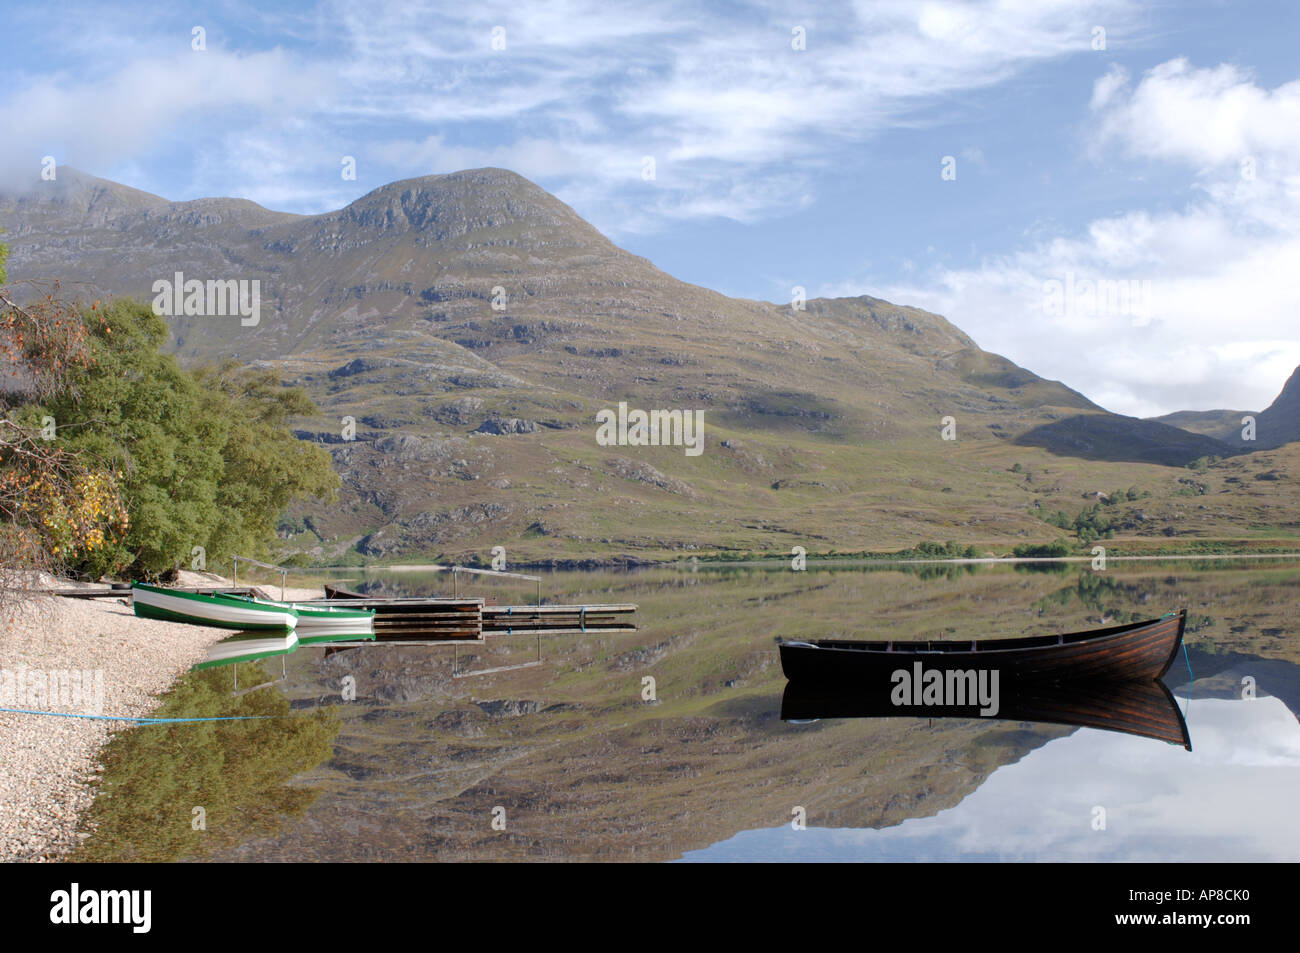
column 142, row 721
column 1190, row 679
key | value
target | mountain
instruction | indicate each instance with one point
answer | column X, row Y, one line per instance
column 469, row 327
column 1279, row 423
column 410, row 269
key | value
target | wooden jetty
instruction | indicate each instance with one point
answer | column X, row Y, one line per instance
column 405, row 620
column 463, row 619
column 548, row 620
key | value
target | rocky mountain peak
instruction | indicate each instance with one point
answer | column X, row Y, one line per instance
column 441, row 207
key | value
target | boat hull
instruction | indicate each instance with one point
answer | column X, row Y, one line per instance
column 336, row 592
column 1140, row 651
column 223, row 612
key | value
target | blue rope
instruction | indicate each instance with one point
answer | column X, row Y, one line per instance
column 142, row 721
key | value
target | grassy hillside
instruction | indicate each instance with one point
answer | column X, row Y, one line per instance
column 461, row 332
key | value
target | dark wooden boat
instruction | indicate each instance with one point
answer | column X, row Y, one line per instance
column 1143, row 708
column 338, row 592
column 1138, row 651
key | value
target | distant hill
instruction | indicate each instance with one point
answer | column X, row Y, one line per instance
column 1112, row 437
column 1277, row 425
column 1222, row 425
column 471, row 325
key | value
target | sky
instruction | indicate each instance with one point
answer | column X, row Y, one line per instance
column 1106, row 192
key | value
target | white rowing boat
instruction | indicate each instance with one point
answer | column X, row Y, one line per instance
column 222, row 611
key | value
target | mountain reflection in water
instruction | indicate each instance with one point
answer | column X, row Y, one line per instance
column 587, row 768
column 1232, row 799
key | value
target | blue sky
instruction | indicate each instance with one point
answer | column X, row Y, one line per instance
column 1166, row 157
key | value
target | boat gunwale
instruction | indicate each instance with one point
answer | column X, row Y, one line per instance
column 919, row 647
column 204, row 598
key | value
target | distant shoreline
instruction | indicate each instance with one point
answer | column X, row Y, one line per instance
column 590, row 565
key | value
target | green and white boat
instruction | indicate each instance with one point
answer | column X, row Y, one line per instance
column 249, row 647
column 333, row 623
column 222, row 611
column 322, row 623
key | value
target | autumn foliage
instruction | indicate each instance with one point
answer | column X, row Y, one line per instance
column 56, row 504
column 116, row 460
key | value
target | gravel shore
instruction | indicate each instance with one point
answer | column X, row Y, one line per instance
column 47, row 762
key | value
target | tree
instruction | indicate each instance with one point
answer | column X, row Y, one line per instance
column 137, row 409
column 1054, row 549
column 206, row 458
column 56, row 502
column 266, row 468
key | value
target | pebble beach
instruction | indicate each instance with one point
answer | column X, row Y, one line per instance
column 47, row 763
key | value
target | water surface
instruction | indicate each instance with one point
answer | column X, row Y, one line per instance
column 582, row 758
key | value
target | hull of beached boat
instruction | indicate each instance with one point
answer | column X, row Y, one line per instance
column 225, row 612
column 1137, row 651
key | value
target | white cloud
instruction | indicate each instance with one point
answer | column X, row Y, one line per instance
column 738, row 122
column 1221, row 332
column 1224, row 271
column 120, row 118
column 1207, row 117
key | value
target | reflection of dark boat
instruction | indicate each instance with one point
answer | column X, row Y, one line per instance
column 1137, row 651
column 1145, row 708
